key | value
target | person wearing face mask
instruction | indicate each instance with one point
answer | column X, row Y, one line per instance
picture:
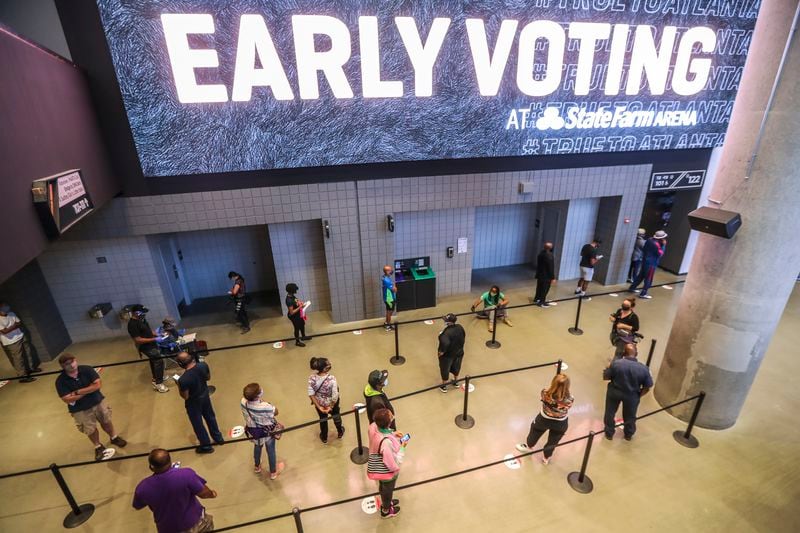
column 451, row 350
column 239, row 295
column 652, row 252
column 259, row 414
column 17, row 346
column 374, row 396
column 146, row 343
column 193, row 387
column 494, row 301
column 625, row 324
column 171, row 494
column 389, row 295
column 78, row 386
column 545, row 274
column 323, row 390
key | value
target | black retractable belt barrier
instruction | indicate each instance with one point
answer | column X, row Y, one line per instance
column 493, row 343
column 576, row 330
column 465, row 421
column 652, row 349
column 558, row 367
column 359, row 455
column 685, row 438
column 398, row 359
column 579, row 481
column 297, row 522
column 79, row 513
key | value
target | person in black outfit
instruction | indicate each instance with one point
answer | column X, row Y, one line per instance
column 145, row 340
column 239, row 294
column 629, row 380
column 589, row 258
column 194, row 390
column 545, row 274
column 451, row 350
column 625, row 326
column 294, row 305
column 374, row 396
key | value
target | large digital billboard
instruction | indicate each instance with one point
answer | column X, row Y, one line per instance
column 213, row 86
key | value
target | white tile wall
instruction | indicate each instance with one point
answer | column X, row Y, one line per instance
column 504, row 235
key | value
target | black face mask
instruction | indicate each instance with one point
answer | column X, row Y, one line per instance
column 626, row 307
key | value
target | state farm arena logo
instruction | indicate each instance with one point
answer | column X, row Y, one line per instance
column 617, row 117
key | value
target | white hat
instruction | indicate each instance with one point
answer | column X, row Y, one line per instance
column 660, row 234
column 641, row 231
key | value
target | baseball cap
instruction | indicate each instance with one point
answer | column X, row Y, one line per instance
column 139, row 309
column 377, row 377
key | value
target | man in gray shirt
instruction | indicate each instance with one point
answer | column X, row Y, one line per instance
column 629, row 380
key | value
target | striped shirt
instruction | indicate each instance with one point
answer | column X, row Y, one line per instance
column 555, row 409
column 258, row 414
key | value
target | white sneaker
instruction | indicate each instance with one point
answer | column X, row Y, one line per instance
column 645, row 296
column 577, row 291
column 522, row 447
column 582, row 293
column 545, row 460
column 160, row 387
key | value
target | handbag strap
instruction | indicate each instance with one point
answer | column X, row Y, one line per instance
column 252, row 418
column 321, row 384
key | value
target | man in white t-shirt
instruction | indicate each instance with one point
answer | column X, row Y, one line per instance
column 16, row 346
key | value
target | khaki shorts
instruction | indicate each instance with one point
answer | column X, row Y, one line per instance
column 86, row 420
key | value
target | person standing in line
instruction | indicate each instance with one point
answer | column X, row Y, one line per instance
column 625, row 324
column 545, row 274
column 17, row 346
column 171, row 494
column 374, row 397
column 636, row 256
column 79, row 388
column 451, row 350
column 323, row 390
column 296, row 314
column 193, row 386
column 260, row 414
column 494, row 301
column 384, row 467
column 552, row 419
column 389, row 294
column 629, row 380
column 652, row 252
column 589, row 258
column 147, row 344
column 239, row 294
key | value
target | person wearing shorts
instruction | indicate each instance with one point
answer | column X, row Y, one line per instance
column 79, row 387
column 451, row 350
column 589, row 258
column 389, row 295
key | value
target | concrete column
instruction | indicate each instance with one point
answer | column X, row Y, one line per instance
column 736, row 289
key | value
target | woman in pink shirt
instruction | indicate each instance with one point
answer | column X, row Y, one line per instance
column 384, row 467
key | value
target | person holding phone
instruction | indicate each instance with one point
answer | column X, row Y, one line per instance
column 386, row 452
column 294, row 307
column 589, row 258
column 323, row 390
column 625, row 324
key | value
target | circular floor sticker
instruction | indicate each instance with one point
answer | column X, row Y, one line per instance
column 613, row 294
column 236, row 432
column 512, row 462
column 429, row 322
column 668, row 287
column 278, row 345
column 357, row 332
column 108, row 453
column 369, row 506
column 564, row 365
column 3, row 383
column 471, row 386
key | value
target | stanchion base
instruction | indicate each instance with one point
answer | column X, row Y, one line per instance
column 74, row 520
column 576, row 331
column 691, row 442
column 584, row 488
column 465, row 424
column 397, row 360
column 360, row 456
column 211, row 389
column 493, row 344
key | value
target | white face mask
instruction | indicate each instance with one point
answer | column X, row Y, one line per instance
column 386, row 382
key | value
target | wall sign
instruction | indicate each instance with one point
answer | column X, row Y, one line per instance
column 682, row 179
column 61, row 200
column 257, row 84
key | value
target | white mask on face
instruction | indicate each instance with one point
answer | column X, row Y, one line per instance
column 386, row 382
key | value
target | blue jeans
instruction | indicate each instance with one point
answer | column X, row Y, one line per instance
column 645, row 274
column 630, row 404
column 271, row 455
column 198, row 410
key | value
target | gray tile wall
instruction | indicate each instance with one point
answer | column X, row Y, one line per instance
column 580, row 229
column 606, row 230
column 505, row 235
column 299, row 253
column 429, row 233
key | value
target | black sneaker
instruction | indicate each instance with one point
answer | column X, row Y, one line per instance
column 628, row 437
column 300, row 344
column 220, row 442
column 27, row 379
column 340, row 433
column 393, row 511
column 204, row 449
column 443, row 389
column 98, row 453
column 245, row 330
column 119, row 442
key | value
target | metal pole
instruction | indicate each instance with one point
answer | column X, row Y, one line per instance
column 576, row 330
column 464, row 420
column 558, row 367
column 398, row 359
column 297, row 522
column 359, row 454
column 493, row 344
column 579, row 481
column 79, row 514
column 652, row 349
column 686, row 438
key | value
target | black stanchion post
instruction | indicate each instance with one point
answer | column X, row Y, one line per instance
column 79, row 513
column 558, row 367
column 360, row 454
column 493, row 344
column 650, row 354
column 398, row 359
column 685, row 438
column 464, row 420
column 297, row 522
column 579, row 481
column 576, row 330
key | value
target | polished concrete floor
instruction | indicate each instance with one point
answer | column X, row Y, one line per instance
column 739, row 480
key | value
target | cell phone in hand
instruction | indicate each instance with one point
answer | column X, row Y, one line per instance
column 405, row 438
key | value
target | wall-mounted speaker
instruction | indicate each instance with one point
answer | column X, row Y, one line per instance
column 715, row 221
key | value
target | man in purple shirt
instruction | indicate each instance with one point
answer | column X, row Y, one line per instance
column 171, row 494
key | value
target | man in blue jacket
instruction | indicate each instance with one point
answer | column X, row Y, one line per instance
column 652, row 252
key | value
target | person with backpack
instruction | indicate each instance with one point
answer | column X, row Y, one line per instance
column 323, row 390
